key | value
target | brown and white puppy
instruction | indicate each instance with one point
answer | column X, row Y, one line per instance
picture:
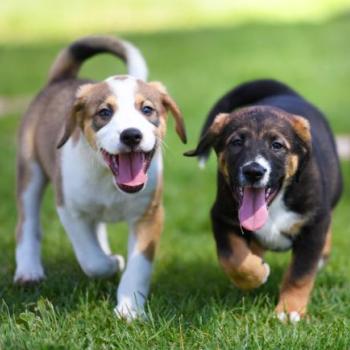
column 99, row 145
column 278, row 181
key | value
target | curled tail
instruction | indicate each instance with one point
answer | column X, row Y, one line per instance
column 69, row 60
column 243, row 95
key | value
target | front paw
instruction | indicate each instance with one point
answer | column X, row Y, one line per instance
column 29, row 274
column 289, row 313
column 248, row 280
column 293, row 316
column 103, row 266
column 128, row 312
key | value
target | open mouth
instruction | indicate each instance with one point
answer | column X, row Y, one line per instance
column 253, row 208
column 129, row 169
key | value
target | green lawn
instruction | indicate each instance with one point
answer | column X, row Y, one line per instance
column 192, row 304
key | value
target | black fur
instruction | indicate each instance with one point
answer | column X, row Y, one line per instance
column 312, row 192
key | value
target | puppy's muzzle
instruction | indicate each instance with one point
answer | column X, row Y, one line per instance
column 131, row 137
column 253, row 173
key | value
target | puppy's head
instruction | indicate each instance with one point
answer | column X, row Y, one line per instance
column 260, row 150
column 124, row 120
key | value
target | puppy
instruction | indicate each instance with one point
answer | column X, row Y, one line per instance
column 278, row 180
column 99, row 144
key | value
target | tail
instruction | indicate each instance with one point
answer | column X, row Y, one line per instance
column 243, row 95
column 69, row 60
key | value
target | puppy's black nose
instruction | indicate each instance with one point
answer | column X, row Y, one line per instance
column 253, row 172
column 131, row 137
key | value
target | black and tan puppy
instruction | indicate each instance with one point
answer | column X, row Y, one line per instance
column 278, row 180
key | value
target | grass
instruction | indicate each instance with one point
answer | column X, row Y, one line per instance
column 192, row 304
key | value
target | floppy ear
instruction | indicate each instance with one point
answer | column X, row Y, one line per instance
column 72, row 119
column 171, row 105
column 301, row 128
column 209, row 138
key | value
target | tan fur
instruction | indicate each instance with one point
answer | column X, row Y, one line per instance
column 245, row 269
column 156, row 93
column 150, row 226
column 302, row 128
column 90, row 134
column 295, row 229
column 326, row 252
column 295, row 294
column 222, row 164
column 171, row 105
column 89, row 98
column 219, row 123
column 292, row 165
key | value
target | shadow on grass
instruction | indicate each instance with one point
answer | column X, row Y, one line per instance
column 65, row 286
column 186, row 289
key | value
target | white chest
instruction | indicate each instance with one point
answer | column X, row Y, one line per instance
column 281, row 220
column 88, row 187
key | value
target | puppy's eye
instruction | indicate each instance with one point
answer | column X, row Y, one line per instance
column 147, row 110
column 105, row 113
column 276, row 145
column 237, row 142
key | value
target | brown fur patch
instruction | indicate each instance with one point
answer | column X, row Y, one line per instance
column 294, row 295
column 245, row 269
column 90, row 134
column 219, row 123
column 326, row 252
column 150, row 225
column 302, row 128
column 89, row 98
column 156, row 91
column 296, row 228
column 222, row 164
column 291, row 165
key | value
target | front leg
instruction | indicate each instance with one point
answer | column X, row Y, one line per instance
column 134, row 285
column 83, row 233
column 300, row 276
column 247, row 270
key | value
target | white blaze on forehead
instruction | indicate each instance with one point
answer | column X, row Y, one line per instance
column 126, row 116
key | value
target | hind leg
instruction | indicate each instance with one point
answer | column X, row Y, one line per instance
column 30, row 187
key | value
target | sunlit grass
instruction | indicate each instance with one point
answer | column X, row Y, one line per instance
column 192, row 304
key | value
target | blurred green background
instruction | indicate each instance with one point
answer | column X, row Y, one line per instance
column 199, row 50
column 46, row 19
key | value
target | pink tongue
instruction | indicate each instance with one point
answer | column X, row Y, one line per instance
column 253, row 212
column 131, row 169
